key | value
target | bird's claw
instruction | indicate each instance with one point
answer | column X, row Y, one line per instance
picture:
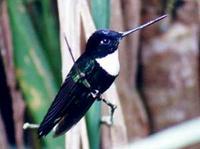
column 106, row 120
column 95, row 94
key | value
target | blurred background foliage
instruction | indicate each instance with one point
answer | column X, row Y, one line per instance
column 158, row 86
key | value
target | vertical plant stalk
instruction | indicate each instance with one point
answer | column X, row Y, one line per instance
column 50, row 38
column 132, row 102
column 69, row 17
column 3, row 138
column 131, row 17
column 136, row 119
column 97, row 18
column 116, row 134
column 17, row 101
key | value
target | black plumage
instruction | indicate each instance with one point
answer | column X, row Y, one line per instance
column 74, row 99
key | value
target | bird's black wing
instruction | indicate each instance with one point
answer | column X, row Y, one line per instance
column 70, row 91
column 100, row 81
column 75, row 111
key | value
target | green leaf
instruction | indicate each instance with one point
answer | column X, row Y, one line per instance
column 101, row 13
column 45, row 21
column 32, row 67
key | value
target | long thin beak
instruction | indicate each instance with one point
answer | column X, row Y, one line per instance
column 143, row 26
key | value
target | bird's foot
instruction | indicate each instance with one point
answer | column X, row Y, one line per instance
column 95, row 94
column 30, row 126
column 108, row 120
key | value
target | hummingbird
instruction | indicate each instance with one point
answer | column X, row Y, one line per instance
column 90, row 76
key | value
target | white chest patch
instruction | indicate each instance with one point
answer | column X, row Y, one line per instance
column 110, row 63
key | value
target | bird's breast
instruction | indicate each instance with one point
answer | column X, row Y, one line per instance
column 110, row 63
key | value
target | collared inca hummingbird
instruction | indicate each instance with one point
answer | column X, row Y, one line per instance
column 90, row 76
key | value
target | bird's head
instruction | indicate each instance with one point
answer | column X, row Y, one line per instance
column 104, row 41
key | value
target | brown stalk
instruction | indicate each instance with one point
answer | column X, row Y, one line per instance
column 17, row 100
column 126, row 15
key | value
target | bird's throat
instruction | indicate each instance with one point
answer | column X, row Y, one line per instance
column 110, row 63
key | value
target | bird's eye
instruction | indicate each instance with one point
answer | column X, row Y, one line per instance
column 105, row 41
